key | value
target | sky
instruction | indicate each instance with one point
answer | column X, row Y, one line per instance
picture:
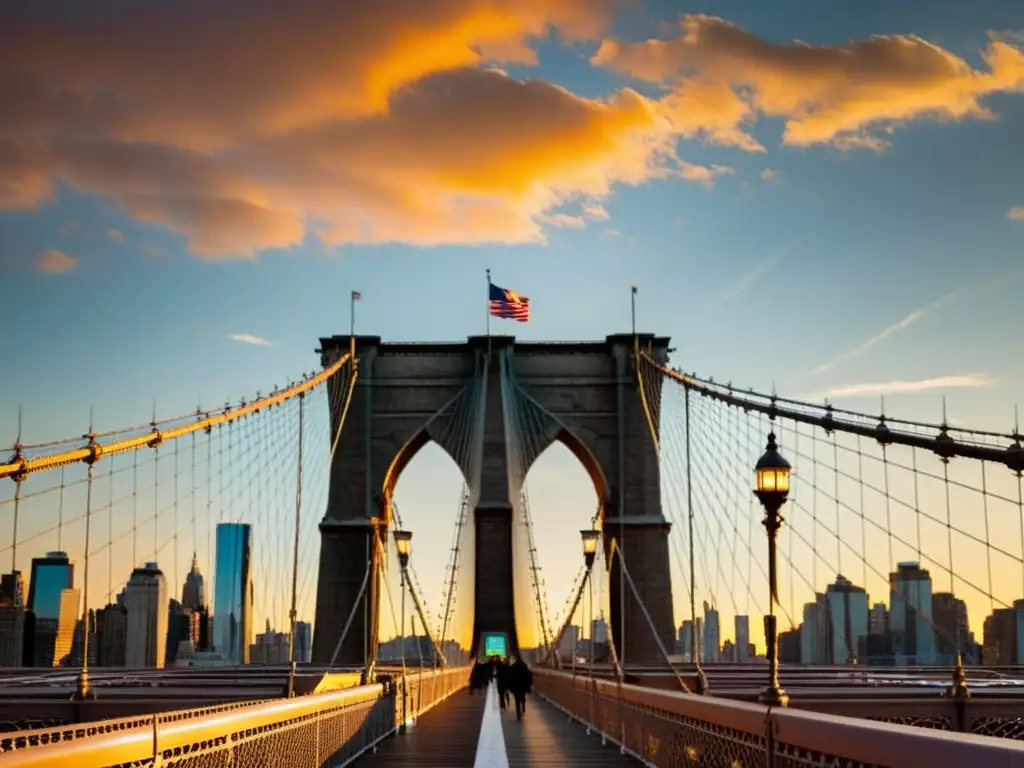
column 827, row 201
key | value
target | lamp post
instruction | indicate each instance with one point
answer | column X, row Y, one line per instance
column 772, row 487
column 590, row 541
column 403, row 545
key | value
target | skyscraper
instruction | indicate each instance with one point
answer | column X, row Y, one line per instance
column 910, row 615
column 51, row 575
column 742, row 638
column 111, row 628
column 847, row 607
column 147, row 604
column 813, row 636
column 12, row 619
column 193, row 593
column 712, row 634
column 303, row 642
column 232, row 608
column 62, row 631
column 952, row 634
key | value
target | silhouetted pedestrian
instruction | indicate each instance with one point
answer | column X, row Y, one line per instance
column 520, row 682
column 478, row 678
column 501, row 676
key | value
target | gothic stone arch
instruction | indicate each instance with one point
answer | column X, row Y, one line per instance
column 494, row 405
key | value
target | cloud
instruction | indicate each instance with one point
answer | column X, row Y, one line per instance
column 702, row 173
column 722, row 78
column 595, row 211
column 54, row 262
column 897, row 387
column 748, row 278
column 1016, row 213
column 886, row 332
column 248, row 338
column 116, row 235
column 611, row 233
column 769, row 175
column 373, row 123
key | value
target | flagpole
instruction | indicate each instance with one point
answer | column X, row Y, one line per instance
column 633, row 308
column 352, row 325
column 487, row 307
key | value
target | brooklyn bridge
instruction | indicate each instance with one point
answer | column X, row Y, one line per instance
column 862, row 539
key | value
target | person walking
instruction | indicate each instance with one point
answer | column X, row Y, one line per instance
column 520, row 682
column 501, row 673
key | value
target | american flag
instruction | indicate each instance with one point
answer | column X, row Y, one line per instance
column 509, row 304
column 356, row 295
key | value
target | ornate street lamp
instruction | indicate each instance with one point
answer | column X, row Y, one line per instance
column 772, row 487
column 403, row 545
column 590, row 541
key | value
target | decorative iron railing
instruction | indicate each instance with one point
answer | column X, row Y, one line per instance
column 319, row 729
column 668, row 728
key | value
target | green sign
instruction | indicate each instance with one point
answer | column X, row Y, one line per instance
column 494, row 645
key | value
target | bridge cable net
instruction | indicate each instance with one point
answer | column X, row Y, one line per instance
column 454, row 426
column 116, row 500
column 871, row 496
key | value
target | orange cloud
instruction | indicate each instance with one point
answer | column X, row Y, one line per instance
column 359, row 123
column 116, row 235
column 54, row 262
column 1016, row 213
column 722, row 77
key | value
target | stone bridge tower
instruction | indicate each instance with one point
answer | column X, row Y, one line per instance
column 494, row 405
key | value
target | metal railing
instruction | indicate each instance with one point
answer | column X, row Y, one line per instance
column 667, row 728
column 319, row 729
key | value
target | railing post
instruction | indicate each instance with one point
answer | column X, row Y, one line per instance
column 960, row 694
column 156, row 740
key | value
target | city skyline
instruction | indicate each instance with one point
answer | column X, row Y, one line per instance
column 745, row 182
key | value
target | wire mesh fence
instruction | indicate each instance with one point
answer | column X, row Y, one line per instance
column 315, row 730
column 668, row 728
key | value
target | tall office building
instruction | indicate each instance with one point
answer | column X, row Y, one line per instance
column 712, row 634
column 55, row 637
column 193, row 593
column 878, row 619
column 147, row 604
column 12, row 619
column 952, row 633
column 303, row 642
column 49, row 577
column 847, row 607
column 814, row 632
column 233, row 599
column 910, row 615
column 742, row 624
column 599, row 630
column 111, row 629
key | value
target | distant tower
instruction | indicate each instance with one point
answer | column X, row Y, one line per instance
column 193, row 593
column 12, row 619
column 233, row 608
column 147, row 603
column 303, row 641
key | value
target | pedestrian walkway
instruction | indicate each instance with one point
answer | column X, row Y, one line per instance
column 471, row 731
column 546, row 737
column 445, row 736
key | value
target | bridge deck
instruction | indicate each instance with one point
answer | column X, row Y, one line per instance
column 448, row 736
column 445, row 736
column 547, row 738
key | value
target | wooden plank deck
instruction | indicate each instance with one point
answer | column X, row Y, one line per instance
column 446, row 736
column 547, row 738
